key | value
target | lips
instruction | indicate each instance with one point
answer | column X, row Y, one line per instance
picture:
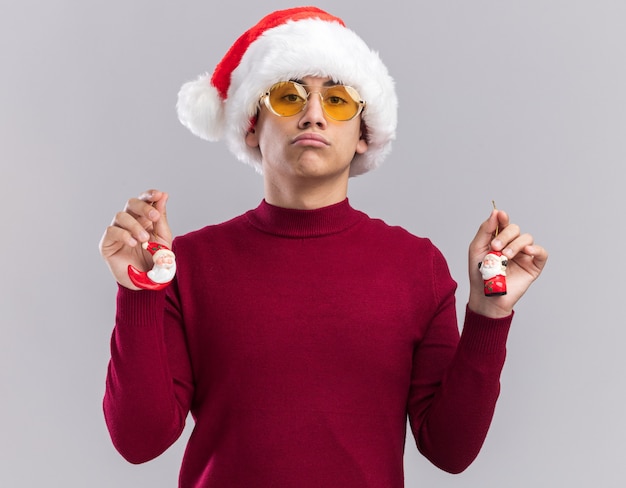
column 312, row 139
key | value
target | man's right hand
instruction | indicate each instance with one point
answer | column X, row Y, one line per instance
column 143, row 219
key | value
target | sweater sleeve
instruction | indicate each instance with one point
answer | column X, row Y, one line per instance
column 455, row 385
column 149, row 382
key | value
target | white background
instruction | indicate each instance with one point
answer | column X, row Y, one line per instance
column 523, row 102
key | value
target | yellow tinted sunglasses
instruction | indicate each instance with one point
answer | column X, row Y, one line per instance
column 287, row 98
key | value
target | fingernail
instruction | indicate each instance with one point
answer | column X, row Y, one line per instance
column 508, row 252
column 497, row 243
column 153, row 214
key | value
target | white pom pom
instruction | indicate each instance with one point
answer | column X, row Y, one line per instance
column 200, row 108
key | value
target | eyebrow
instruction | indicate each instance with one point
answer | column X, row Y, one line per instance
column 330, row 82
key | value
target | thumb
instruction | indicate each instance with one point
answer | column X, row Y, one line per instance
column 487, row 230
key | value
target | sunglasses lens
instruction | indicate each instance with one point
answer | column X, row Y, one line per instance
column 341, row 102
column 288, row 98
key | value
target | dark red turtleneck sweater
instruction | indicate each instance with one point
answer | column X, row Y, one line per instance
column 301, row 341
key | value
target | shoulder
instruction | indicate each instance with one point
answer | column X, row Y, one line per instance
column 211, row 233
column 397, row 235
column 397, row 244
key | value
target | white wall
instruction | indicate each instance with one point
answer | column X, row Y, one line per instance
column 518, row 101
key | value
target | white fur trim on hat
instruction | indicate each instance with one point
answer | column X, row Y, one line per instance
column 201, row 109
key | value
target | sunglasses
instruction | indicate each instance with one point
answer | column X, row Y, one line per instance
column 287, row 98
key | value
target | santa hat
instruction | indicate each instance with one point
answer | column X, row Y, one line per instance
column 286, row 45
column 157, row 249
column 498, row 257
column 495, row 253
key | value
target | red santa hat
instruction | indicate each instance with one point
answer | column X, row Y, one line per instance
column 157, row 249
column 285, row 45
column 497, row 254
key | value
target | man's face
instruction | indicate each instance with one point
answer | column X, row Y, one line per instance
column 309, row 144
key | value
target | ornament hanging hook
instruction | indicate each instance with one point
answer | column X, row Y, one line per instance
column 493, row 202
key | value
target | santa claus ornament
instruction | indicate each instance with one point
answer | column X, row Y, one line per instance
column 162, row 272
column 493, row 270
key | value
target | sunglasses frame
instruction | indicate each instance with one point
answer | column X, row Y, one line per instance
column 301, row 88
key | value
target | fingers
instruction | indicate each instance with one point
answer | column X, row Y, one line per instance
column 498, row 221
column 160, row 225
column 145, row 208
column 145, row 215
column 498, row 234
column 538, row 253
column 141, row 217
column 532, row 259
column 129, row 229
column 510, row 242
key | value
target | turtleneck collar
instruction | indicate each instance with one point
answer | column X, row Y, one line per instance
column 288, row 222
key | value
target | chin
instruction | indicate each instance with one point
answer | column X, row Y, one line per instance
column 315, row 166
column 320, row 171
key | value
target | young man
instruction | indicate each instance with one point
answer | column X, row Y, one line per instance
column 303, row 334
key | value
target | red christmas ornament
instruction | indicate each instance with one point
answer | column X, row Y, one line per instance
column 162, row 272
column 493, row 270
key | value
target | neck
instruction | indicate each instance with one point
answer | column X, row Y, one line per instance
column 306, row 194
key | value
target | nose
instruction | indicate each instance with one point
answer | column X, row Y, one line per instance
column 313, row 113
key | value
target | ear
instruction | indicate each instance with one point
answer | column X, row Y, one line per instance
column 361, row 146
column 252, row 139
